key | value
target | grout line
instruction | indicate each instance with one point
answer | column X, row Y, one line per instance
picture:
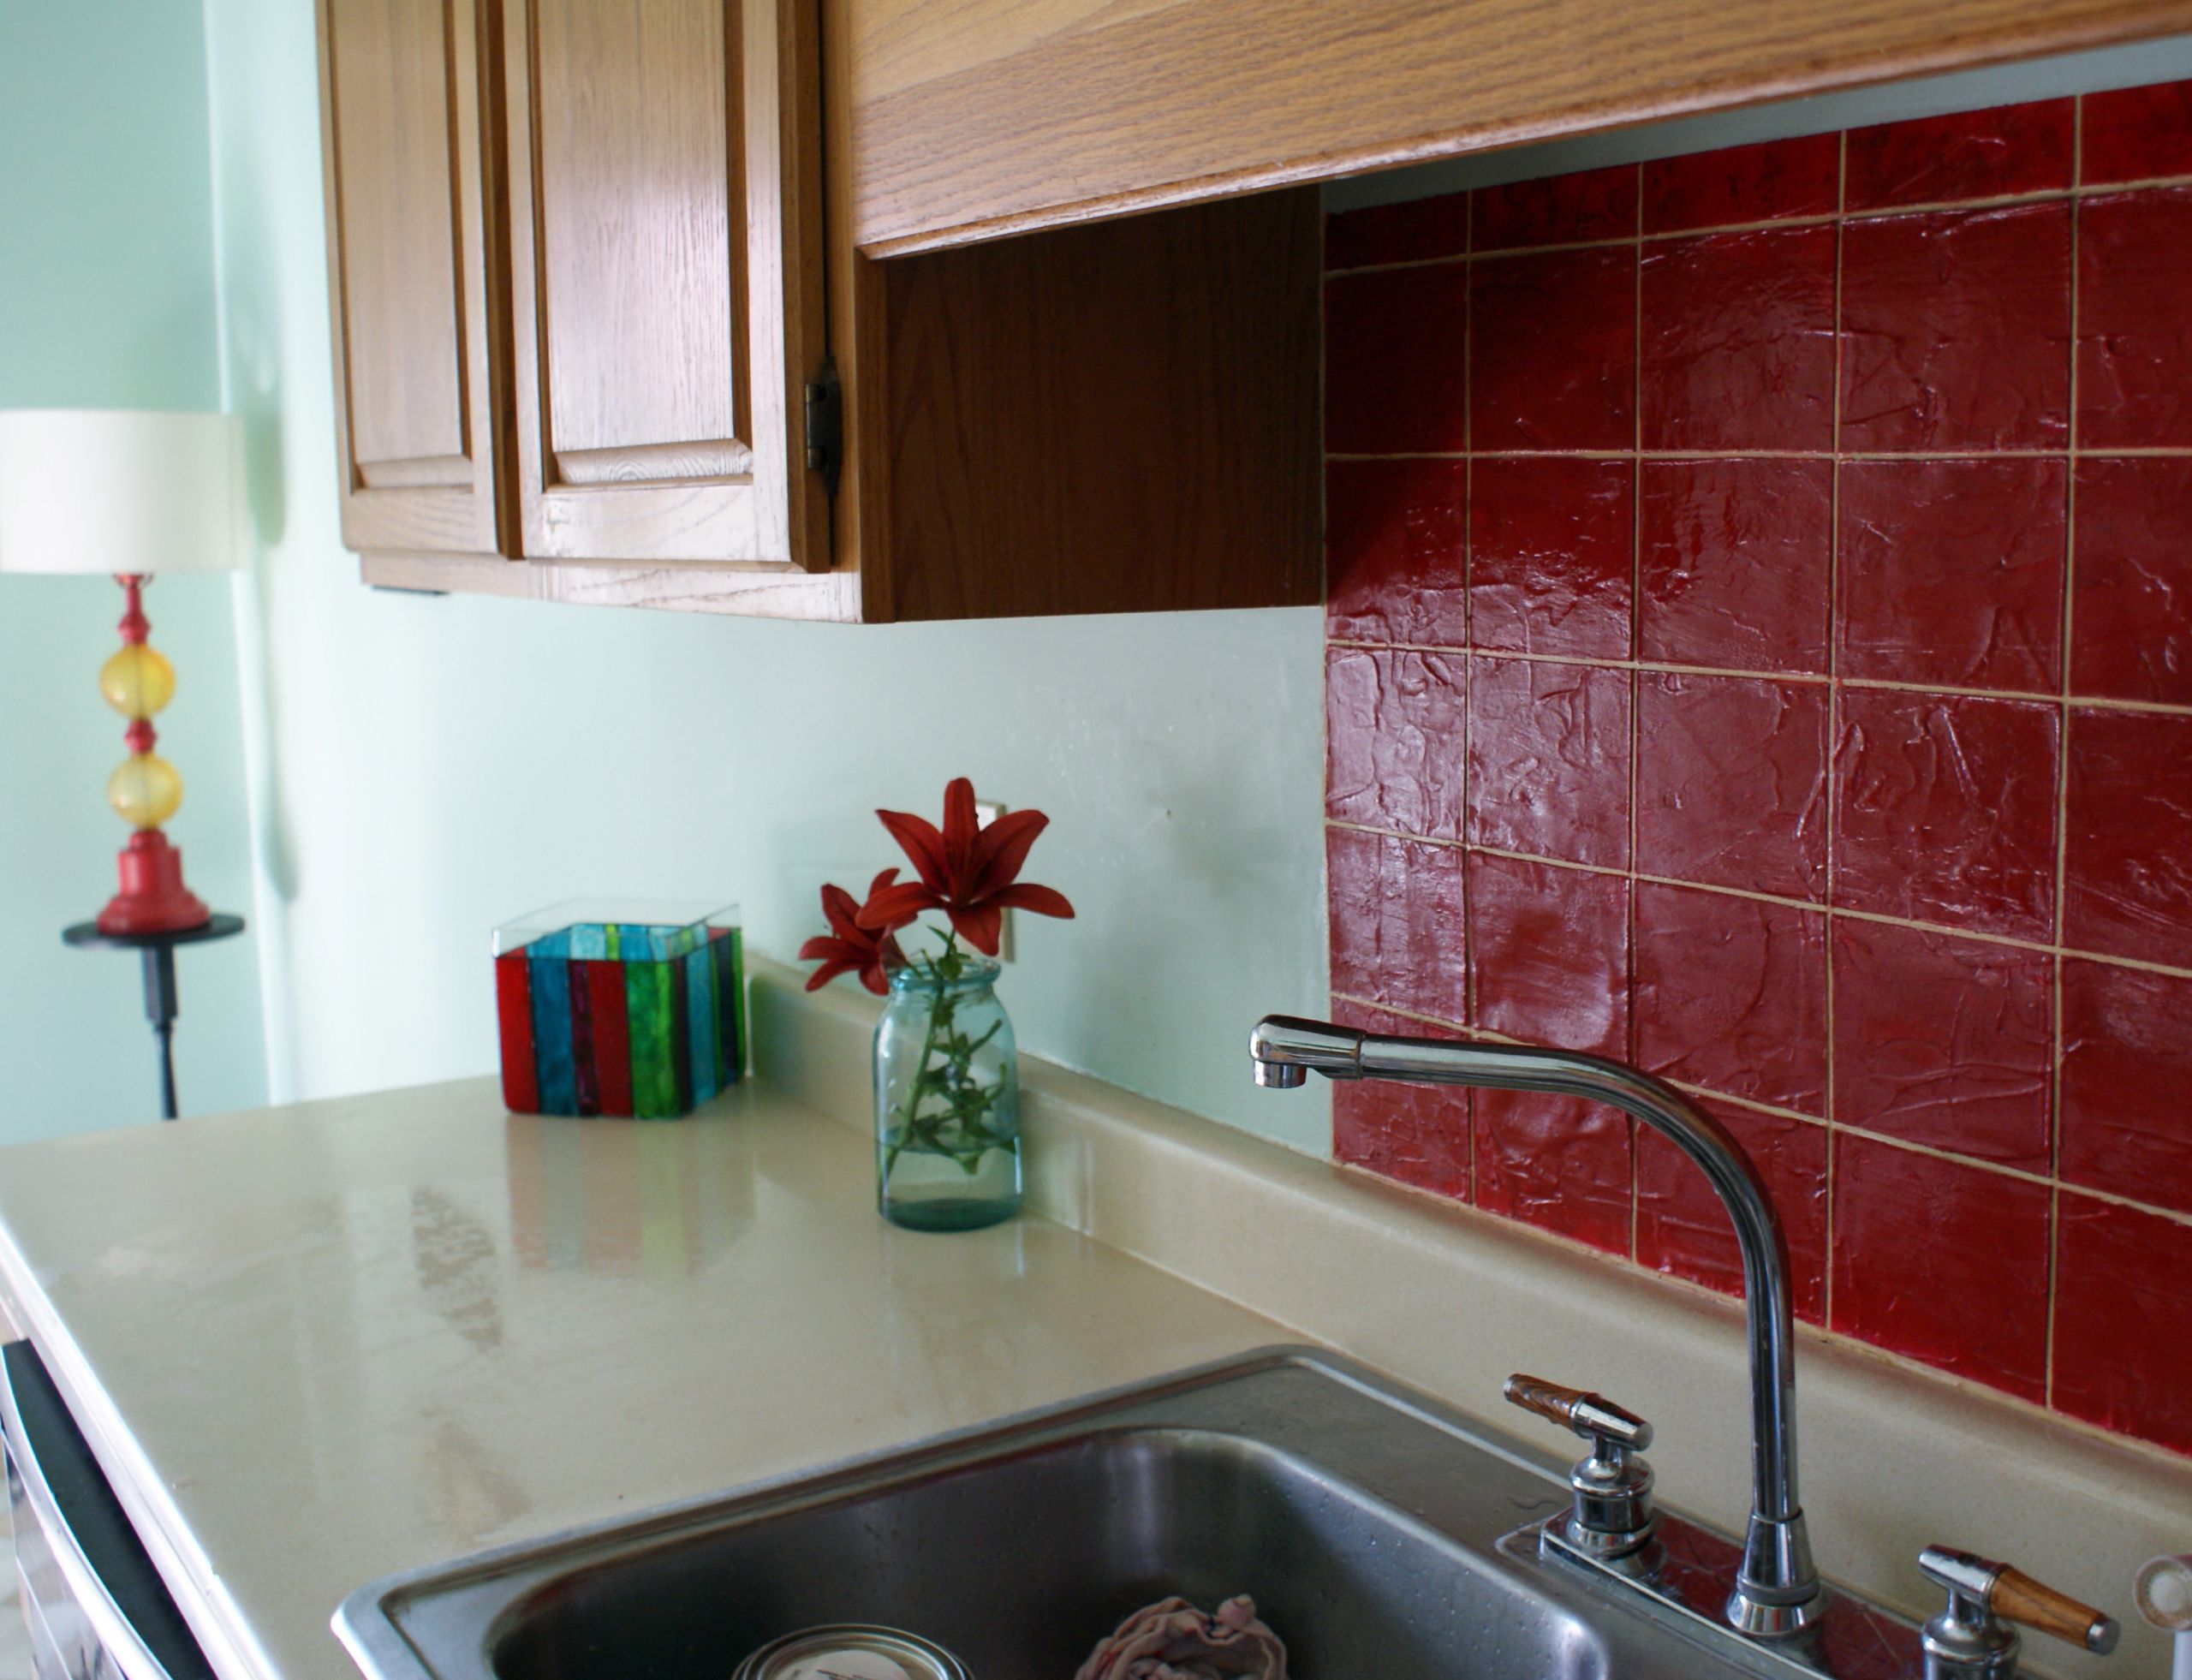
column 2063, row 776
column 1834, row 703
column 1629, row 1042
column 2104, row 452
column 1807, row 679
column 1469, row 668
column 1777, row 1112
column 1874, row 213
column 1840, row 912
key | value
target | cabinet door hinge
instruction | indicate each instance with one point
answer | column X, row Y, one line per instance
column 825, row 426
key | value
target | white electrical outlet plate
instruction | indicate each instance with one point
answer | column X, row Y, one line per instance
column 987, row 811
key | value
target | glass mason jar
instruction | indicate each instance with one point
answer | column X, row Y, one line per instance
column 947, row 1100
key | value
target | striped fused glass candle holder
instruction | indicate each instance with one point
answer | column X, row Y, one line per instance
column 613, row 1008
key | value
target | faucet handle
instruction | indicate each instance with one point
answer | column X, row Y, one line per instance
column 1611, row 1515
column 1593, row 1416
column 1968, row 1637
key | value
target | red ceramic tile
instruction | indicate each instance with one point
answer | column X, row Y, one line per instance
column 1956, row 330
column 1550, row 542
column 2136, row 134
column 1744, row 184
column 1732, row 995
column 1952, row 572
column 1553, row 351
column 1396, row 360
column 2123, row 1321
column 2128, row 885
column 2127, row 1063
column 1558, row 210
column 1943, row 1042
column 1549, row 760
column 1396, row 926
column 1555, row 1163
column 1942, row 1262
column 1393, row 742
column 1976, row 154
column 1398, row 233
column 1945, row 810
column 1738, row 341
column 1393, row 550
column 1731, row 782
column 2135, row 320
column 1416, row 1133
column 2131, row 622
column 1549, row 953
column 1732, row 560
column 1682, row 1228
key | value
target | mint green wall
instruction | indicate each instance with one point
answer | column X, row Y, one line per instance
column 107, row 301
column 437, row 766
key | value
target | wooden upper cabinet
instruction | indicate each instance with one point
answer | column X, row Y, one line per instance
column 665, row 198
column 408, row 275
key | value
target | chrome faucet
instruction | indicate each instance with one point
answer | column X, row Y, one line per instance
column 1776, row 1590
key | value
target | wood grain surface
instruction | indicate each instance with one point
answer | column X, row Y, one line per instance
column 974, row 118
column 410, row 288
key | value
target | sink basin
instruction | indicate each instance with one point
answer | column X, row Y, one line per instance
column 1365, row 1522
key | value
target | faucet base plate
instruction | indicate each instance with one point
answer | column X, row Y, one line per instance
column 1685, row 1577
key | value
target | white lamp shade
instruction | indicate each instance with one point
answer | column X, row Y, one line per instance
column 112, row 491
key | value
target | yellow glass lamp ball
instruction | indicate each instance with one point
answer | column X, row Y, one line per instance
column 145, row 790
column 137, row 681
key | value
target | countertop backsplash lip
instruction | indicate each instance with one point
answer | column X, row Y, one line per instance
column 1841, row 668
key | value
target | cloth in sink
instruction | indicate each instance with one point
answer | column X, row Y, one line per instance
column 1173, row 1640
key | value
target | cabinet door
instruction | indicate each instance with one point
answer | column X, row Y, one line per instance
column 666, row 266
column 409, row 274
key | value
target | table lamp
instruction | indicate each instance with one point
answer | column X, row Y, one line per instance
column 127, row 494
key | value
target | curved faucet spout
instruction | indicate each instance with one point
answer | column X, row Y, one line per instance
column 1777, row 1590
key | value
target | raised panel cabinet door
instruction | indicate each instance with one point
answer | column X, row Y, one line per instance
column 666, row 269
column 408, row 273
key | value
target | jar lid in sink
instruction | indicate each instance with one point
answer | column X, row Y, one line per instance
column 851, row 1652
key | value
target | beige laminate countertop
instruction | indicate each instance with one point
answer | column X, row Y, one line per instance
column 315, row 1344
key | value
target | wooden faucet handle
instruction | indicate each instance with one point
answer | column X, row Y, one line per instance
column 2012, row 1595
column 2018, row 1598
column 1578, row 1408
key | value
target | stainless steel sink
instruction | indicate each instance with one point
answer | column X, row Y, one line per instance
column 1365, row 1523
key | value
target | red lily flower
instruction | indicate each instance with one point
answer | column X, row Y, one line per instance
column 849, row 948
column 969, row 873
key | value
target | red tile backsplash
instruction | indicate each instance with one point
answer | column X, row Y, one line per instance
column 1548, row 770
column 1944, row 810
column 1945, row 1041
column 2135, row 320
column 1952, row 571
column 2131, row 624
column 1744, row 184
column 1394, row 351
column 2123, row 1294
column 1551, row 542
column 1554, row 350
column 1732, row 563
column 1731, row 782
column 2127, row 883
column 1794, row 698
column 1944, row 1262
column 1738, row 341
column 1732, row 995
column 1956, row 330
column 1986, row 154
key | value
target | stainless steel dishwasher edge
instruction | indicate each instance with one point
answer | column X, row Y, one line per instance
column 97, row 1607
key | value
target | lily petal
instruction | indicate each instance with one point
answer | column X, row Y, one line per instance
column 1042, row 900
column 918, row 839
column 980, row 925
column 896, row 906
column 1001, row 852
column 962, row 827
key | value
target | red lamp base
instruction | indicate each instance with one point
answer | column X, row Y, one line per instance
column 152, row 899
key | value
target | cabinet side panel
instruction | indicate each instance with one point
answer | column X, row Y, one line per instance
column 1114, row 418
